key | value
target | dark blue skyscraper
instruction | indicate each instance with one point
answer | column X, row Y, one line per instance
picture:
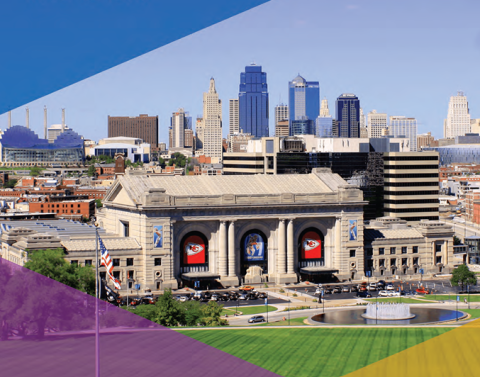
column 348, row 115
column 253, row 101
column 303, row 100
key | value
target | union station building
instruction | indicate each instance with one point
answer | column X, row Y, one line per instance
column 196, row 230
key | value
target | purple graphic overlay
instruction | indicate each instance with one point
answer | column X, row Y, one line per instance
column 48, row 329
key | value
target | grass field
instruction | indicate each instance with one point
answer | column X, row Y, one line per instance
column 396, row 299
column 293, row 322
column 471, row 298
column 306, row 352
column 475, row 313
column 249, row 310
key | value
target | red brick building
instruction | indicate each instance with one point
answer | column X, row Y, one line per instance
column 65, row 209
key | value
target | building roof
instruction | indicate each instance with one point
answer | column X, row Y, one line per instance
column 119, row 243
column 323, row 181
column 373, row 234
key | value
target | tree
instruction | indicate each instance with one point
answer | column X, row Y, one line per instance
column 92, row 172
column 178, row 159
column 98, row 203
column 10, row 183
column 463, row 276
column 193, row 313
column 35, row 171
column 169, row 312
column 50, row 263
column 456, row 240
column 211, row 315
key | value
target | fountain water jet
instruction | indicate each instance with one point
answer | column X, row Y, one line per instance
column 388, row 312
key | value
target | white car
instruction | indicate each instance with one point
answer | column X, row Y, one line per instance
column 318, row 291
column 384, row 293
column 182, row 299
column 372, row 287
column 390, row 287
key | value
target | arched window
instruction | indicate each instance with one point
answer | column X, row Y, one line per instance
column 194, row 250
column 254, row 246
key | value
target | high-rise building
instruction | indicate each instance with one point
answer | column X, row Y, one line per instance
column 426, row 140
column 179, row 123
column 401, row 126
column 377, row 122
column 411, row 185
column 142, row 127
column 363, row 124
column 234, row 125
column 475, row 126
column 458, row 118
column 253, row 101
column 303, row 99
column 348, row 115
column 302, row 127
column 212, row 122
column 281, row 113
column 282, row 128
column 324, row 122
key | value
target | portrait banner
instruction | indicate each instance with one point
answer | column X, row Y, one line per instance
column 254, row 247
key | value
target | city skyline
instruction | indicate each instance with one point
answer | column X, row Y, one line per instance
column 403, row 87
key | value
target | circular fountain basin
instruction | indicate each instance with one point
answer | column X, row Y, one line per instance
column 388, row 312
column 355, row 316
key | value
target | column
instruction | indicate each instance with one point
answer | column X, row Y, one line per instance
column 231, row 249
column 337, row 260
column 281, row 257
column 222, row 256
column 290, row 248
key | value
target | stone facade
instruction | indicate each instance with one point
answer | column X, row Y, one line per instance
column 223, row 211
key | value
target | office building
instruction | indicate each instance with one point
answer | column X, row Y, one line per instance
column 363, row 125
column 212, row 123
column 282, row 128
column 253, row 102
column 401, row 126
column 348, row 115
column 180, row 122
column 324, row 122
column 133, row 149
column 234, row 125
column 303, row 100
column 377, row 123
column 426, row 140
column 281, row 113
column 411, row 185
column 302, row 127
column 475, row 126
column 458, row 117
column 143, row 127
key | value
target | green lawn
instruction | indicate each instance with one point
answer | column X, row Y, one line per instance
column 475, row 313
column 248, row 310
column 396, row 299
column 293, row 322
column 306, row 352
column 471, row 298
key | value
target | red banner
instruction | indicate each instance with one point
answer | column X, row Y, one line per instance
column 311, row 245
column 194, row 250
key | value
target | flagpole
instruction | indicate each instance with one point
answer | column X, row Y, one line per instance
column 97, row 327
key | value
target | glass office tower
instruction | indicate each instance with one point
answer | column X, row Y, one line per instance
column 253, row 101
column 348, row 115
column 303, row 100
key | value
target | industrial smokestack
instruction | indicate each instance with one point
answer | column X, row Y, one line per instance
column 63, row 120
column 9, row 119
column 27, row 118
column 45, row 121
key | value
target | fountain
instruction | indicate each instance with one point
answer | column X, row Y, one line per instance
column 388, row 312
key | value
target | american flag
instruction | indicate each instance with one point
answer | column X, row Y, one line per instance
column 107, row 262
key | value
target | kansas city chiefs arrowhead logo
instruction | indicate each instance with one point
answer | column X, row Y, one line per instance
column 310, row 244
column 193, row 248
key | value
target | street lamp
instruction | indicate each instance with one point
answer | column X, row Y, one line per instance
column 288, row 312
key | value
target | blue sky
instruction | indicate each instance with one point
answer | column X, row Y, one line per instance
column 402, row 58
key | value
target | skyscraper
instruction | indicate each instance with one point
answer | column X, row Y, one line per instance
column 458, row 118
column 348, row 115
column 401, row 126
column 377, row 122
column 281, row 120
column 212, row 123
column 303, row 99
column 234, row 126
column 143, row 127
column 324, row 122
column 363, row 125
column 179, row 123
column 253, row 101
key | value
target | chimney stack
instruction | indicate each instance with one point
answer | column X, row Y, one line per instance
column 9, row 119
column 45, row 121
column 63, row 120
column 27, row 118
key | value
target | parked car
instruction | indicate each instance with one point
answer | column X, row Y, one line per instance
column 214, row 297
column 381, row 282
column 337, row 289
column 262, row 295
column 233, row 295
column 198, row 295
column 372, row 287
column 383, row 293
column 207, row 295
column 247, row 288
column 390, row 287
column 183, row 299
column 318, row 291
column 354, row 288
column 243, row 296
column 327, row 291
column 364, row 294
column 257, row 318
column 345, row 289
column 422, row 290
